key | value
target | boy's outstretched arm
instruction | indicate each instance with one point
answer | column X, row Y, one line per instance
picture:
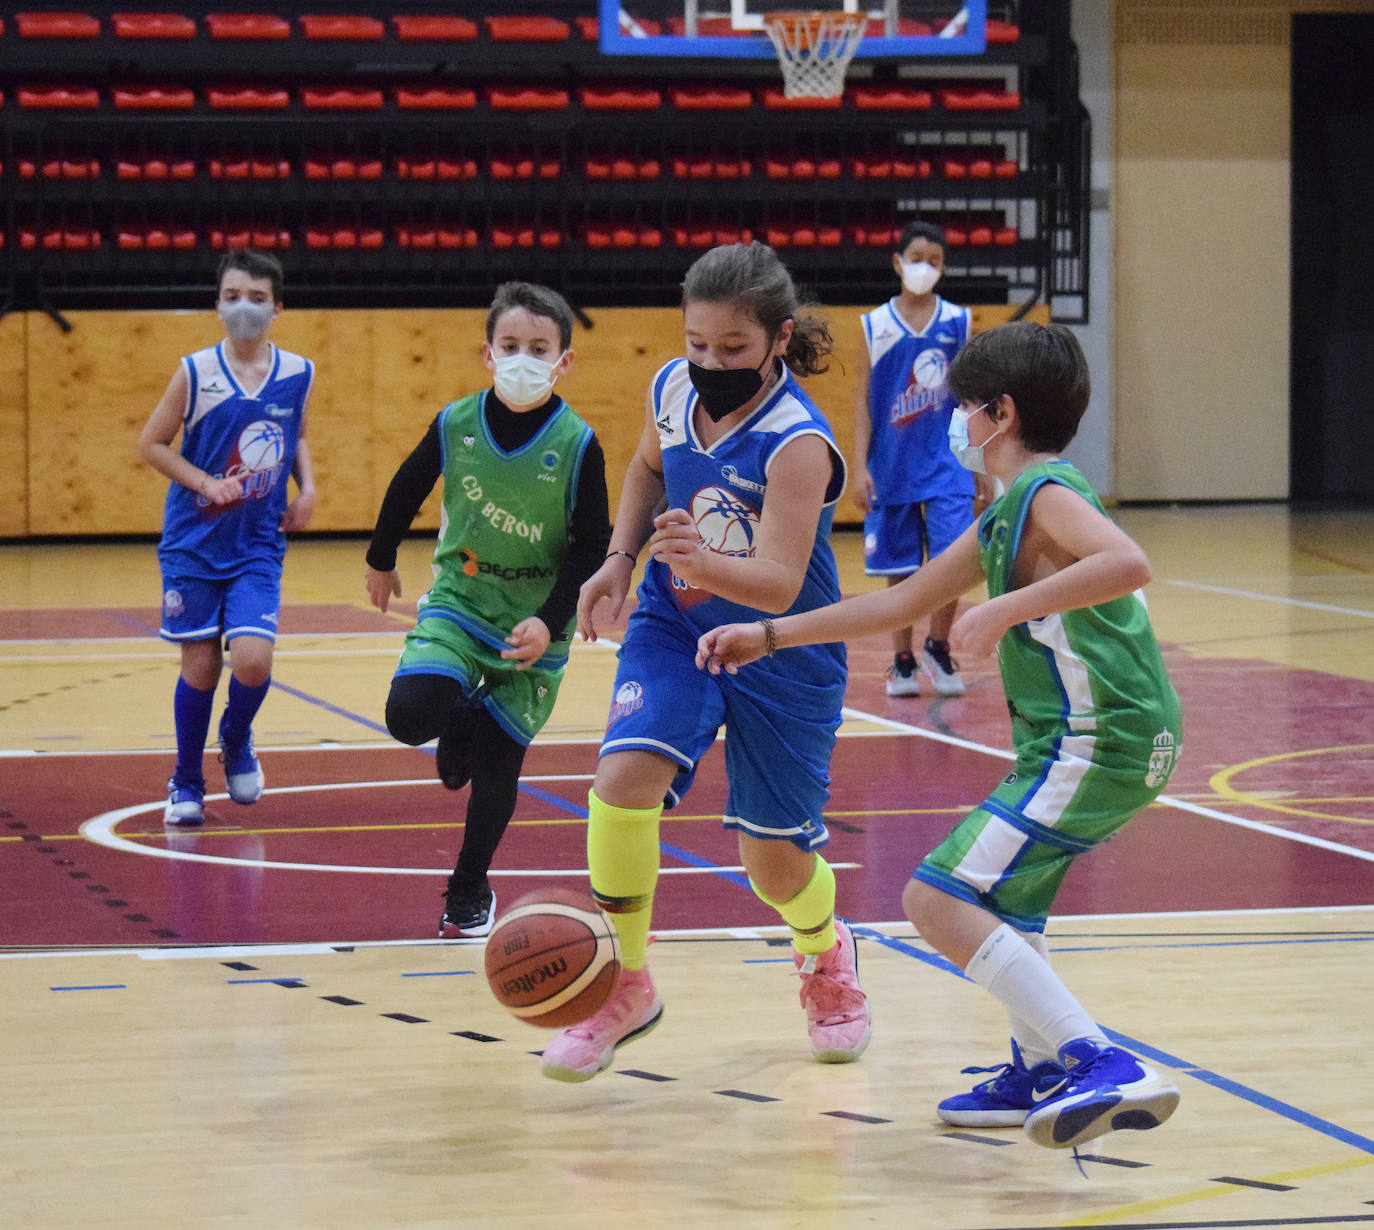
column 1070, row 556
column 953, row 572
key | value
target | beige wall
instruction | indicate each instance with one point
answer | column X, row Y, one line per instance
column 1201, row 214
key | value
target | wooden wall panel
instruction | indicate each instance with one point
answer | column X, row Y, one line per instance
column 381, row 377
column 14, row 416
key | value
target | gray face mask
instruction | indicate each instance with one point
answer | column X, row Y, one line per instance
column 244, row 320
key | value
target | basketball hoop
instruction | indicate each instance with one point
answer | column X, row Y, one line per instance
column 814, row 49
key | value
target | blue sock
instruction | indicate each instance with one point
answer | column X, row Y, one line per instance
column 243, row 706
column 191, row 711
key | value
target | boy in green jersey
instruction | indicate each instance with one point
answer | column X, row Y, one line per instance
column 525, row 522
column 1095, row 725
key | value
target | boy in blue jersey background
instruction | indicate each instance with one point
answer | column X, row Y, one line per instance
column 240, row 407
column 916, row 498
column 525, row 522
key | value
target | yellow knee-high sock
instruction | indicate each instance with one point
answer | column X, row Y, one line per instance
column 811, row 913
column 622, row 856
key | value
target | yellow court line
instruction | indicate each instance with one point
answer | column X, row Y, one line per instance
column 1221, row 783
column 1211, row 1193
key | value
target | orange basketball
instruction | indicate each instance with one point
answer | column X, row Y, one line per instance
column 553, row 958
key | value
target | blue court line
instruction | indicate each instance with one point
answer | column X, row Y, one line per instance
column 1244, row 1092
column 328, row 708
column 440, row 973
column 106, row 986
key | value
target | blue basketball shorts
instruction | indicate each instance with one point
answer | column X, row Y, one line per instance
column 779, row 729
column 203, row 608
column 899, row 538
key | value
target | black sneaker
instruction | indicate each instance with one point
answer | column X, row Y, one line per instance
column 468, row 911
column 453, row 759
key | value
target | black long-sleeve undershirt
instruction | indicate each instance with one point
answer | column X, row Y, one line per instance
column 589, row 529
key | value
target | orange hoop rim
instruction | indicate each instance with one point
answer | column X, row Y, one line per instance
column 810, row 20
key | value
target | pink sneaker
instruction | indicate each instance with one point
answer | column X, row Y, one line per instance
column 581, row 1051
column 837, row 1016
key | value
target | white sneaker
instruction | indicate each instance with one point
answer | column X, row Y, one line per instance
column 941, row 669
column 902, row 678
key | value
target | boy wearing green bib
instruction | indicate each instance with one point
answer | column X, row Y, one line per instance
column 525, row 521
column 1096, row 727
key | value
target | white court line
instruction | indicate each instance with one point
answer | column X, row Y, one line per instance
column 1275, row 598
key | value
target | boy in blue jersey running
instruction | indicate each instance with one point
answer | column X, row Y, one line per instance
column 525, row 522
column 241, row 409
column 732, row 489
column 1096, row 727
column 916, row 498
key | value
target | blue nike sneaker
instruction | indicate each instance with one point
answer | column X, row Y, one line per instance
column 1005, row 1098
column 1105, row 1089
column 243, row 776
column 185, row 803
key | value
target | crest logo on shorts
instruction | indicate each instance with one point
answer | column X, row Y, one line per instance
column 628, row 697
column 172, row 604
column 1161, row 760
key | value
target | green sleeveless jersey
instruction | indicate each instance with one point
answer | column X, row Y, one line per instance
column 503, row 533
column 1093, row 676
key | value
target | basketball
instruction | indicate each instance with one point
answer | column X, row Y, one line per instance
column 553, row 959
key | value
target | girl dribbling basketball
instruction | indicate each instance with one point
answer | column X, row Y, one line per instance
column 750, row 474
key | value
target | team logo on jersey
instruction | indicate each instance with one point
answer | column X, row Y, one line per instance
column 469, row 442
column 629, row 697
column 1161, row 760
column 257, row 461
column 736, row 479
column 279, row 412
column 925, row 389
column 725, row 522
column 172, row 604
column 213, row 387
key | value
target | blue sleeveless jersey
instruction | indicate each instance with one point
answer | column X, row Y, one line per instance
column 909, row 404
column 228, row 430
column 723, row 486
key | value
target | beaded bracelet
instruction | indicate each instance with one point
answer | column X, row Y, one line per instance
column 772, row 646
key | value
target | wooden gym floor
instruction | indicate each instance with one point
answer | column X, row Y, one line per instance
column 248, row 1026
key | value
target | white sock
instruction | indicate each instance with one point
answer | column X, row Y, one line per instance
column 1034, row 1049
column 1007, row 967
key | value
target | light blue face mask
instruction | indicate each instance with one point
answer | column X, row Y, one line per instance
column 970, row 455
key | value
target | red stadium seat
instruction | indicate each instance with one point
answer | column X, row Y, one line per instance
column 156, row 239
column 434, row 29
column 66, row 168
column 691, row 236
column 347, row 28
column 156, row 168
column 524, row 168
column 436, row 237
column 968, row 99
column 249, row 237
column 446, row 98
column 619, row 98
column 711, row 98
column 527, row 29
column 889, row 98
column 343, row 237
column 246, row 98
column 56, row 25
column 622, row 168
column 153, row 98
column 59, row 97
column 526, row 98
column 1001, row 31
column 341, row 98
column 526, row 237
column 153, row 25
column 247, row 26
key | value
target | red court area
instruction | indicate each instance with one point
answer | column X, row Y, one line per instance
column 351, row 844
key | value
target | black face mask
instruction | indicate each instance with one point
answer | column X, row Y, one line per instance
column 724, row 390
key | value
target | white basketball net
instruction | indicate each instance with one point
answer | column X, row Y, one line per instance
column 814, row 50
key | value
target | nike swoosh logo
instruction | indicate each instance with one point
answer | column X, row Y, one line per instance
column 1037, row 1096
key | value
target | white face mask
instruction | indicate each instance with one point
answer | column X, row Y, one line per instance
column 244, row 320
column 970, row 455
column 919, row 276
column 523, row 380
